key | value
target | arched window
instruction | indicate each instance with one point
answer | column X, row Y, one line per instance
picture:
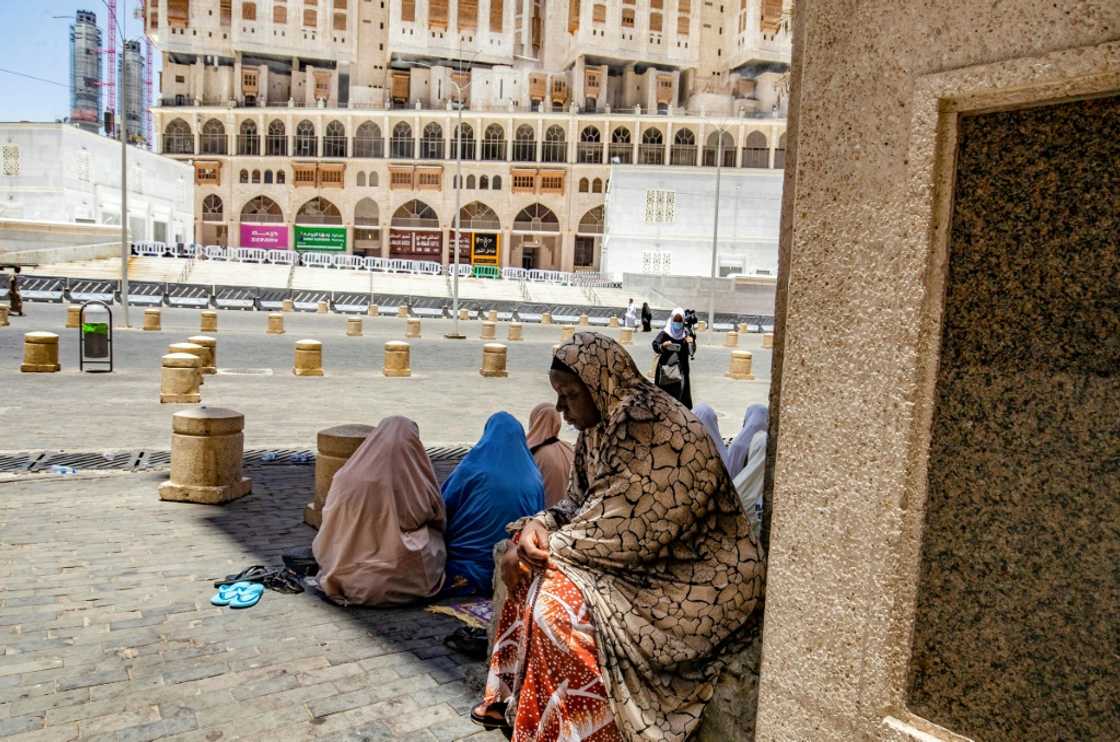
column 177, row 138
column 496, row 183
column 622, row 149
column 684, row 148
column 262, row 210
column 276, row 143
column 431, row 143
column 525, row 144
column 483, row 182
column 307, row 144
column 280, row 177
column 366, row 213
column 780, row 153
column 256, row 176
column 367, row 142
column 464, row 139
column 597, row 186
column 334, row 140
column 318, row 211
column 756, row 151
column 470, row 182
column 212, row 209
column 720, row 145
column 373, row 179
column 244, row 177
column 478, row 216
column 454, row 181
column 401, row 144
column 584, row 186
column 555, row 147
column 592, row 222
column 361, row 179
column 268, row 177
column 652, row 149
column 652, row 136
column 248, row 142
column 494, row 143
column 621, row 135
column 415, row 213
column 536, row 218
column 590, row 145
column 213, row 138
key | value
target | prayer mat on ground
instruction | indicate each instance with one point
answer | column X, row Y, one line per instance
column 474, row 612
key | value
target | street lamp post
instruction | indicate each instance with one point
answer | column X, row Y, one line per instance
column 458, row 139
column 715, row 233
column 122, row 126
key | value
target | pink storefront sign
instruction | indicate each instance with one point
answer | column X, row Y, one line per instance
column 267, row 236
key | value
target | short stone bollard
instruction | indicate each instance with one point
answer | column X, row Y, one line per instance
column 275, row 324
column 412, row 328
column 323, row 308
column 178, row 379
column 613, row 322
column 491, row 315
column 546, row 318
column 464, row 315
column 767, row 340
column 397, row 359
column 152, row 320
column 208, row 321
column 493, row 360
column 731, row 339
column 373, row 310
column 309, row 358
column 489, row 330
column 402, row 310
column 701, row 326
column 515, row 331
column 744, row 328
column 40, row 353
column 193, row 349
column 626, row 336
column 567, row 332
column 210, row 355
column 336, row 445
column 741, row 365
column 287, row 305
column 73, row 313
column 4, row 309
column 584, row 320
column 207, row 444
column 354, row 327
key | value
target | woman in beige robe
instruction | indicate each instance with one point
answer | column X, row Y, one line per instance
column 381, row 542
column 553, row 456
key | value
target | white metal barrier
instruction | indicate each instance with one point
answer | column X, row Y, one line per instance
column 248, row 254
column 215, row 252
column 282, row 257
column 547, row 276
column 353, row 262
column 379, row 265
column 426, row 267
column 463, row 269
column 514, row 274
column 316, row 259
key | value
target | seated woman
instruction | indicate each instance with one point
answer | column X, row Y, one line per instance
column 756, row 419
column 634, row 584
column 495, row 484
column 381, row 541
column 705, row 414
column 553, row 456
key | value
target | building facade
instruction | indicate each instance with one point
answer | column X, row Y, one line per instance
column 331, row 124
column 85, row 71
column 62, row 173
column 131, row 105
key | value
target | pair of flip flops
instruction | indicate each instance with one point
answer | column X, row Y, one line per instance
column 238, row 595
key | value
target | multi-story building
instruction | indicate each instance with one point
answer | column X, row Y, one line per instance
column 356, row 117
column 85, row 71
column 131, row 105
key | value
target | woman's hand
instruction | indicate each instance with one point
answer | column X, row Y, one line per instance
column 667, row 345
column 532, row 547
column 511, row 569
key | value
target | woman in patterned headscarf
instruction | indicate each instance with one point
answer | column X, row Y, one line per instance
column 625, row 596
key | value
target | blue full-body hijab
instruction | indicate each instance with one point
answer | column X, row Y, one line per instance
column 495, row 484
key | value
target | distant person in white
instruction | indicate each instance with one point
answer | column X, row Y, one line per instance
column 631, row 319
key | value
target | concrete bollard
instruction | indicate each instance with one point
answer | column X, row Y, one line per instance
column 412, row 328
column 626, row 336
column 741, row 365
column 324, row 307
column 566, row 333
column 207, row 444
column 515, row 331
column 73, row 313
column 373, row 310
column 491, row 315
column 584, row 320
column 40, row 353
column 287, row 305
column 309, row 358
column 402, row 310
column 493, row 360
column 153, row 320
column 178, row 379
column 397, row 359
column 489, row 330
column 613, row 322
column 767, row 340
column 744, row 328
column 208, row 321
column 546, row 318
column 464, row 315
column 731, row 339
column 192, row 349
column 209, row 346
column 335, row 446
column 354, row 327
column 275, row 324
column 4, row 309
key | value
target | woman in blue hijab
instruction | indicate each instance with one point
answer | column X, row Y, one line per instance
column 496, row 483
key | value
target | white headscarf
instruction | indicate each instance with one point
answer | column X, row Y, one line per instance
column 669, row 325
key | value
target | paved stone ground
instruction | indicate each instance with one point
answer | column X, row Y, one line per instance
column 106, row 631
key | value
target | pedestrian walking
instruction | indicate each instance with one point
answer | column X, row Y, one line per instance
column 675, row 346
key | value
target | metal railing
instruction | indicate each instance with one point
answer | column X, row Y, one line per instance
column 756, row 157
column 369, row 147
column 683, row 154
column 524, row 150
column 624, row 153
column 248, row 145
column 213, row 144
column 468, row 149
column 651, row 154
column 590, row 153
column 334, row 146
column 536, row 225
column 305, row 146
column 493, row 150
column 402, row 147
column 431, row 149
column 554, row 152
column 276, row 145
column 178, row 144
column 712, row 153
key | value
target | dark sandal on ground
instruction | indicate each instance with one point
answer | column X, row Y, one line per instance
column 494, row 717
column 301, row 561
column 468, row 641
column 282, row 580
column 249, row 574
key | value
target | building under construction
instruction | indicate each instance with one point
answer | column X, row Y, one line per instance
column 85, row 71
column 131, row 106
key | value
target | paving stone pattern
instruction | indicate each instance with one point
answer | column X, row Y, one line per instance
column 106, row 631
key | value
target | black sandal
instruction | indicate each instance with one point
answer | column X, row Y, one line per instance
column 250, row 574
column 468, row 641
column 489, row 723
column 283, row 581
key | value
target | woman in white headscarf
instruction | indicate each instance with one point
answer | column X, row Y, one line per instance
column 674, row 345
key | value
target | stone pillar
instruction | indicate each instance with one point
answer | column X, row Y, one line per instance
column 767, row 340
column 287, row 306
column 336, row 445
column 397, row 359
column 208, row 321
column 206, row 448
column 731, row 339
column 741, row 365
column 566, row 333
column 73, row 312
column 178, row 379
column 40, row 353
column 493, row 360
column 515, row 331
column 275, row 324
column 373, row 310
column 152, row 320
column 546, row 318
column 491, row 315
column 209, row 347
column 464, row 314
column 626, row 336
column 354, row 327
column 489, row 330
column 309, row 358
column 195, row 350
column 402, row 310
column 584, row 320
column 324, row 307
column 412, row 328
column 613, row 322
column 4, row 309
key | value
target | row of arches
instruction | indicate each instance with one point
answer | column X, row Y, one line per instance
column 484, row 182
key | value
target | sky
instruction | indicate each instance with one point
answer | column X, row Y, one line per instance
column 37, row 44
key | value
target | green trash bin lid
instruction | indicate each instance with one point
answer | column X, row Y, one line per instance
column 95, row 328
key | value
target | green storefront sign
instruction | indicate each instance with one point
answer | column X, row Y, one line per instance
column 326, row 239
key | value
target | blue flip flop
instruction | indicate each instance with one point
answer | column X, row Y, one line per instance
column 247, row 597
column 227, row 593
